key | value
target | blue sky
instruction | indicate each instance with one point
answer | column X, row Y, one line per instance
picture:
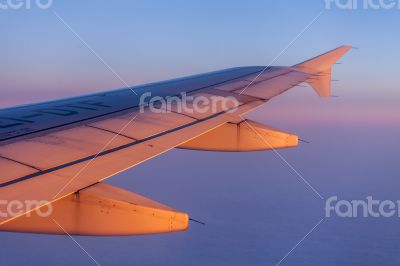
column 145, row 41
column 255, row 207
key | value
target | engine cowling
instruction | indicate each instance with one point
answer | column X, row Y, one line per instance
column 101, row 210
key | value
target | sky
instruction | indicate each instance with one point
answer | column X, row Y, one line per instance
column 255, row 207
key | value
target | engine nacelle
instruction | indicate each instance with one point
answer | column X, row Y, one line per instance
column 101, row 210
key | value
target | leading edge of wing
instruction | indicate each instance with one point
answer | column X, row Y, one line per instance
column 26, row 121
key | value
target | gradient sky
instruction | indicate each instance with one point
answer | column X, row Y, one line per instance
column 255, row 208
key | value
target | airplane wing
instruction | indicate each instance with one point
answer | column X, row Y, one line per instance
column 55, row 155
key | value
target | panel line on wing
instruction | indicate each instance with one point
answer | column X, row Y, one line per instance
column 272, row 77
column 22, row 163
column 172, row 111
column 110, row 131
column 106, row 152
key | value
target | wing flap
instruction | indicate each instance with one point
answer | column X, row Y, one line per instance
column 232, row 86
column 271, row 87
column 11, row 170
column 143, row 124
column 58, row 148
column 200, row 105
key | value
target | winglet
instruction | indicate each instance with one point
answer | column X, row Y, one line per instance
column 320, row 68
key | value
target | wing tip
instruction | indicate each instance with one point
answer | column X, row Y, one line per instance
column 322, row 65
